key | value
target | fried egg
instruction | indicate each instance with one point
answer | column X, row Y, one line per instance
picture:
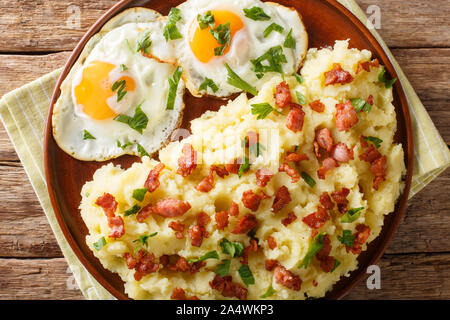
column 253, row 29
column 115, row 99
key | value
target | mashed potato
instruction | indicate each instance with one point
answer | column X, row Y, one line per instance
column 213, row 137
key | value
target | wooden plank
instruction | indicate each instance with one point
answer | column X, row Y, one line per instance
column 48, row 26
column 37, row 279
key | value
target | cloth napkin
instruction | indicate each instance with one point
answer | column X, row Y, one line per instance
column 24, row 111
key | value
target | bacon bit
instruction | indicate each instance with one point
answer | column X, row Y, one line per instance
column 324, row 140
column 179, row 294
column 233, row 167
column 294, row 121
column 187, row 161
column 363, row 143
column 234, row 209
column 109, row 205
column 337, row 75
column 314, row 233
column 252, row 200
column 325, row 201
column 316, row 219
column 317, row 106
column 295, row 157
column 370, row 155
column 282, row 199
column 197, row 233
column 170, row 208
column 283, row 95
column 374, row 63
column 228, row 288
column 221, row 219
column 326, row 262
column 152, row 182
column 342, row 153
column 340, row 197
column 370, row 100
column 252, row 247
column 271, row 264
column 284, row 167
column 345, row 116
column 363, row 66
column 181, row 264
column 203, row 219
column 378, row 168
column 263, row 177
column 271, row 242
column 206, row 184
column 361, row 236
column 291, row 217
column 219, row 170
column 315, row 284
column 245, row 224
column 144, row 213
column 287, row 278
column 143, row 264
column 178, row 227
column 327, row 164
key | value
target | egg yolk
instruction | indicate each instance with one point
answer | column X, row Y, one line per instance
column 203, row 43
column 95, row 88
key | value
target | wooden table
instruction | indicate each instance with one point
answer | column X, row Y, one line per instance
column 37, row 37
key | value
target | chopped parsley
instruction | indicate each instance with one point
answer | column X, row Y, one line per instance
column 347, row 238
column 315, row 246
column 376, row 141
column 224, row 268
column 137, row 122
column 99, row 244
column 382, row 78
column 123, row 68
column 246, row 275
column 244, row 166
column 308, row 179
column 361, row 105
column 300, row 98
column 119, row 86
column 336, row 264
column 290, row 41
column 139, row 194
column 143, row 240
column 209, row 255
column 170, row 30
column 274, row 57
column 142, row 151
column 133, row 210
column 87, row 135
column 269, row 292
column 173, row 87
column 234, row 249
column 236, row 81
column 273, row 27
column 143, row 41
column 208, row 83
column 262, row 110
column 222, row 33
column 351, row 215
column 299, row 78
column 206, row 20
column 123, row 146
column 256, row 13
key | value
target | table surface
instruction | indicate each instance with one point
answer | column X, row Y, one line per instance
column 37, row 37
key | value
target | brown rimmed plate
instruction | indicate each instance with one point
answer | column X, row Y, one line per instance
column 325, row 21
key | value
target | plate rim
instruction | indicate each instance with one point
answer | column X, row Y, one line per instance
column 357, row 274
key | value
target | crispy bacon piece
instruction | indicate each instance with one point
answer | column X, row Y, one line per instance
column 295, row 157
column 109, row 205
column 340, row 197
column 187, row 161
column 345, row 116
column 295, row 118
column 317, row 106
column 206, row 184
column 370, row 100
column 324, row 139
column 203, row 219
column 271, row 243
column 253, row 247
column 245, row 224
column 251, row 200
column 327, row 164
column 180, row 264
column 282, row 199
column 233, row 167
column 220, row 170
column 170, row 208
column 370, row 155
column 326, row 262
column 325, row 201
column 363, row 143
column 233, row 210
column 270, row 264
column 283, row 95
column 179, row 294
column 361, row 236
column 378, row 168
column 337, row 75
column 374, row 63
column 284, row 167
column 221, row 219
column 228, row 288
column 198, row 232
column 263, row 177
column 291, row 217
column 316, row 219
column 342, row 153
column 143, row 264
column 363, row 66
column 144, row 213
column 287, row 278
column 152, row 182
column 178, row 227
